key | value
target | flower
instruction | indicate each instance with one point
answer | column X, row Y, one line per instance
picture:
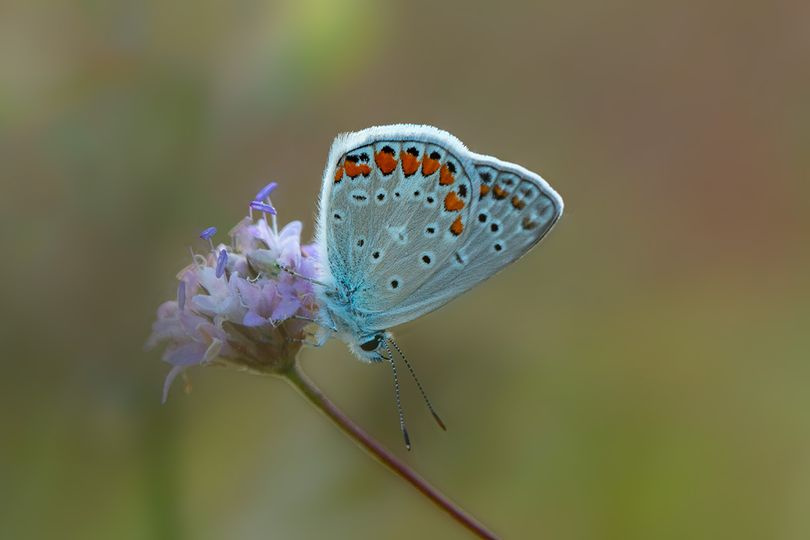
column 249, row 305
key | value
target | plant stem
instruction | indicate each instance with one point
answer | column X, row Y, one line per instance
column 307, row 388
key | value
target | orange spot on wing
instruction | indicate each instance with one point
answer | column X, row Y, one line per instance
column 528, row 224
column 410, row 163
column 385, row 161
column 518, row 203
column 429, row 166
column 338, row 174
column 353, row 169
column 452, row 203
column 457, row 227
column 446, row 177
column 484, row 190
column 499, row 193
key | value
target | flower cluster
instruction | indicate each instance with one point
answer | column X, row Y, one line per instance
column 249, row 304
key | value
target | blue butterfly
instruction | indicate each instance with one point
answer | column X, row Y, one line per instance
column 408, row 220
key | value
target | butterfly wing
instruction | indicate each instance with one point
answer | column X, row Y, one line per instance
column 410, row 218
column 394, row 205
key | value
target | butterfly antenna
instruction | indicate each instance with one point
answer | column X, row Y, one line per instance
column 390, row 359
column 418, row 385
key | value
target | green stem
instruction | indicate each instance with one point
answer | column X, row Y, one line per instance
column 304, row 384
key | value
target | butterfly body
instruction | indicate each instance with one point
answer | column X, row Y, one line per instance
column 409, row 219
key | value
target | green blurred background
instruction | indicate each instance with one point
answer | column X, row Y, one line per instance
column 641, row 375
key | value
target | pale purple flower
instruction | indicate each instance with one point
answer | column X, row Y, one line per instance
column 240, row 305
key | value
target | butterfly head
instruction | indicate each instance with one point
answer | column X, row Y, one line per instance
column 371, row 347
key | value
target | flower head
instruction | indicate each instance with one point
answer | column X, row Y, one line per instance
column 235, row 306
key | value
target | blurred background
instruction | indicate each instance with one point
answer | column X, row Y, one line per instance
column 643, row 374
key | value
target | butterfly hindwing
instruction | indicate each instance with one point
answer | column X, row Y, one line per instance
column 516, row 208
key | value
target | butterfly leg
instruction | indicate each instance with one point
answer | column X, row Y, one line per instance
column 316, row 338
column 314, row 321
column 313, row 337
column 301, row 276
column 304, row 341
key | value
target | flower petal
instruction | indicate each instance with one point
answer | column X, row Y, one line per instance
column 212, row 285
column 254, row 319
column 167, row 383
column 243, row 235
column 291, row 230
column 212, row 351
column 264, row 233
column 167, row 309
column 248, row 292
column 237, row 264
column 264, row 260
column 181, row 295
column 285, row 308
column 187, row 354
column 310, row 250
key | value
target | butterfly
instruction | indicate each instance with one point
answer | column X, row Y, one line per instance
column 409, row 219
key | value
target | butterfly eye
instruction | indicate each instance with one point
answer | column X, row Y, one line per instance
column 372, row 344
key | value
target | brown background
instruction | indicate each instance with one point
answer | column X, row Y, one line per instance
column 643, row 374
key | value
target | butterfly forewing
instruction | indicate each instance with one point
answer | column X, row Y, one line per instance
column 401, row 209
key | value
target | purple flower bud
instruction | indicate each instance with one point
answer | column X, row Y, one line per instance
column 208, row 233
column 263, row 207
column 266, row 191
column 221, row 261
column 181, row 295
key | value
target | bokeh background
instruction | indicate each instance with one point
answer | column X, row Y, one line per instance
column 642, row 375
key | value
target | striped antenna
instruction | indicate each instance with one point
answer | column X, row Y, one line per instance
column 418, row 384
column 390, row 359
